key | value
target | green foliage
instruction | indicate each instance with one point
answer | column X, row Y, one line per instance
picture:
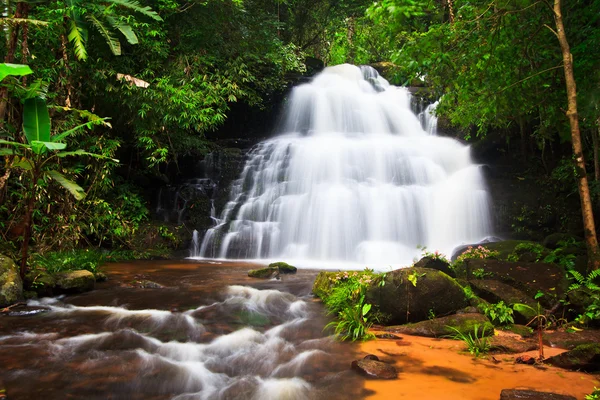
column 13, row 70
column 499, row 313
column 62, row 261
column 477, row 344
column 436, row 255
column 595, row 395
column 539, row 253
column 481, row 273
column 347, row 300
column 590, row 284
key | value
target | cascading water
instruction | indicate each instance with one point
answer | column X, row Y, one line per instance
column 354, row 177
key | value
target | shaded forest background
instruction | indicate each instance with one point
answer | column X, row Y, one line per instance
column 161, row 87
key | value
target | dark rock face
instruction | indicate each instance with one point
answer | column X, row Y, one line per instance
column 436, row 263
column 527, row 277
column 375, row 369
column 495, row 291
column 439, row 327
column 514, row 394
column 11, row 285
column 413, row 294
column 75, row 281
column 585, row 357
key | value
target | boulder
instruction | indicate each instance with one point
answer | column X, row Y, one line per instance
column 495, row 291
column 41, row 282
column 413, row 294
column 515, row 394
column 375, row 369
column 554, row 240
column 323, row 284
column 528, row 277
column 440, row 327
column 435, row 263
column 75, row 281
column 585, row 357
column 284, row 268
column 11, row 285
column 264, row 273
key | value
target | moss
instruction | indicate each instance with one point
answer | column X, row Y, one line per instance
column 263, row 273
column 11, row 285
column 283, row 267
column 75, row 281
column 322, row 285
column 522, row 330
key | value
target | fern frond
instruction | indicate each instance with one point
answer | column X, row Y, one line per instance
column 111, row 40
column 136, row 6
column 578, row 276
column 77, row 36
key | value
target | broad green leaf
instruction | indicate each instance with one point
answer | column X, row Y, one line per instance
column 80, row 152
column 14, row 70
column 136, row 6
column 125, row 29
column 111, row 40
column 36, row 121
column 23, row 163
column 71, row 131
column 7, row 152
column 50, row 145
column 76, row 190
column 14, row 144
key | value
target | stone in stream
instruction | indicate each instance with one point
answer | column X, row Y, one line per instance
column 264, row 273
column 284, row 268
column 515, row 394
column 11, row 285
column 75, row 281
column 375, row 369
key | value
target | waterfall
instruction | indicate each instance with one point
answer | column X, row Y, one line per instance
column 354, row 177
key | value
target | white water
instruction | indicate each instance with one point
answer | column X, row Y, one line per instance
column 354, row 177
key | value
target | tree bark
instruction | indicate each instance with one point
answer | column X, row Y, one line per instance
column 27, row 224
column 591, row 239
column 13, row 37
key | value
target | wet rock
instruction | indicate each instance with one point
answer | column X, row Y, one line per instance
column 412, row 294
column 495, row 291
column 149, row 285
column 514, row 394
column 371, row 357
column 41, row 282
column 11, row 285
column 323, row 284
column 284, row 268
column 436, row 263
column 375, row 369
column 264, row 273
column 75, row 281
column 528, row 277
column 101, row 276
column 522, row 330
column 387, row 336
column 527, row 360
column 512, row 345
column 585, row 357
column 570, row 340
column 439, row 327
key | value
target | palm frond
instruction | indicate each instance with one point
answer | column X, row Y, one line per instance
column 77, row 35
column 136, row 6
column 111, row 40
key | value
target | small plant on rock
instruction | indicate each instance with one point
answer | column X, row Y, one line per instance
column 477, row 343
column 478, row 252
column 499, row 313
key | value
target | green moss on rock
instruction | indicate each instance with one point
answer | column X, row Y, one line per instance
column 264, row 273
column 444, row 326
column 284, row 268
column 323, row 284
column 585, row 357
column 11, row 285
column 75, row 281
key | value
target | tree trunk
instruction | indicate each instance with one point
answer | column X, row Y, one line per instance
column 13, row 37
column 27, row 225
column 591, row 239
column 24, row 39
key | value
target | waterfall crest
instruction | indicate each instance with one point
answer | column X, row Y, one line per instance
column 354, row 176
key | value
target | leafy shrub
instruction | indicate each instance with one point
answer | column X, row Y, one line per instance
column 595, row 395
column 499, row 313
column 592, row 311
column 478, row 252
column 71, row 260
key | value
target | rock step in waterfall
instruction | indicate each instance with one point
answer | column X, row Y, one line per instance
column 354, row 176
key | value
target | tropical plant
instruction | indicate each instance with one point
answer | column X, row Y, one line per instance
column 477, row 343
column 589, row 284
column 540, row 320
column 499, row 313
column 478, row 252
column 595, row 395
column 353, row 322
column 40, row 159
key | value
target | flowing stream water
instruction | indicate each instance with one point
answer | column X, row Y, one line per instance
column 200, row 331
column 353, row 177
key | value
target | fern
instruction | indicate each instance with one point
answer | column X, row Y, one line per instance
column 136, row 6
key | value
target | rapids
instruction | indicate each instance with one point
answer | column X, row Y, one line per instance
column 353, row 176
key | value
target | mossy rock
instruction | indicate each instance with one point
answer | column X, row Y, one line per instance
column 75, row 281
column 11, row 285
column 284, row 268
column 413, row 294
column 323, row 284
column 522, row 330
column 445, row 326
column 552, row 241
column 264, row 273
column 496, row 291
column 585, row 357
column 41, row 282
